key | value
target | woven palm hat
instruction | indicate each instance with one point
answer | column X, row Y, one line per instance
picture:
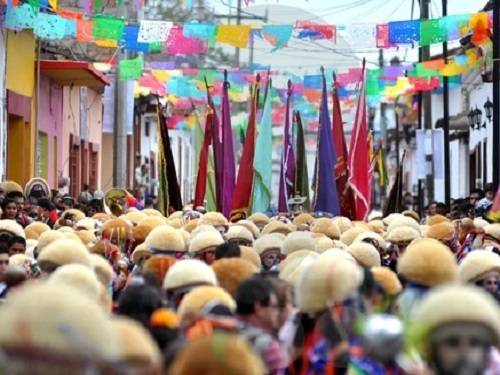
column 493, row 230
column 436, row 219
column 79, row 277
column 65, row 251
column 248, row 253
column 403, row 221
column 35, row 229
column 387, row 280
column 135, row 217
column 259, row 219
column 442, row 231
column 220, row 353
column 452, row 304
column 428, row 262
column 164, row 239
column 327, row 227
column 231, row 272
column 239, row 232
column 266, row 242
column 189, row 272
column 296, row 241
column 52, row 316
column 204, row 240
column 276, row 226
column 198, row 298
column 102, row 269
column 363, row 237
column 343, row 223
column 294, row 266
column 191, row 225
column 476, row 264
column 158, row 266
column 118, row 229
column 10, row 186
column 326, row 282
column 377, row 226
column 323, row 243
column 214, row 219
column 350, row 235
column 12, row 227
column 250, row 225
column 303, row 218
column 139, row 251
column 402, row 234
column 152, row 212
column 365, row 254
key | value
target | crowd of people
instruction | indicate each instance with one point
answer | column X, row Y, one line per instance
column 89, row 290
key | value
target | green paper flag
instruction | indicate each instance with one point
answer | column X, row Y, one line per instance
column 372, row 82
column 108, row 28
column 131, row 69
column 432, row 31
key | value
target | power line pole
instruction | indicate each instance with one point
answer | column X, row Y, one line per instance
column 446, row 119
column 121, row 121
column 425, row 100
column 496, row 92
column 238, row 22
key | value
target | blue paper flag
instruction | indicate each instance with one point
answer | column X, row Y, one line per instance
column 404, row 32
column 277, row 35
column 130, row 35
column 70, row 29
column 21, row 17
column 50, row 26
column 313, row 81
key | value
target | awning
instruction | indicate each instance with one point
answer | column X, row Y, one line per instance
column 77, row 73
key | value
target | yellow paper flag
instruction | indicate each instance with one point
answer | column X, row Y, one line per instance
column 454, row 69
column 107, row 43
column 234, row 35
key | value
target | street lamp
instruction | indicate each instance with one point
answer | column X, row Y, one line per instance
column 488, row 107
column 471, row 116
column 478, row 117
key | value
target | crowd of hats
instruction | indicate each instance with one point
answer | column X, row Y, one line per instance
column 67, row 310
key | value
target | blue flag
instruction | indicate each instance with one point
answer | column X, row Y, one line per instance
column 325, row 190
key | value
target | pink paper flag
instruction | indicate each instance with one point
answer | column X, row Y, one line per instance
column 383, row 36
column 178, row 44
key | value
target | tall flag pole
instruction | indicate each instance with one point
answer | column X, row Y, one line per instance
column 360, row 169
column 287, row 173
column 325, row 189
column 263, row 163
column 205, row 163
column 228, row 166
column 301, row 185
column 170, row 193
column 345, row 192
column 218, row 150
column 243, row 189
column 394, row 202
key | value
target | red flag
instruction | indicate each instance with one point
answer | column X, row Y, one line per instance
column 243, row 189
column 201, row 179
column 344, row 191
column 359, row 158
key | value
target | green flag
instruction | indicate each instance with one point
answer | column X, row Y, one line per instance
column 301, row 175
column 263, row 161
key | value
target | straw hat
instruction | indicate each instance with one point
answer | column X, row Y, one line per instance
column 165, row 239
column 205, row 240
column 298, row 241
column 198, row 298
column 65, row 251
column 443, row 231
column 327, row 227
column 477, row 264
column 365, row 254
column 326, row 282
column 248, row 253
column 12, row 227
column 343, row 223
column 436, row 219
column 231, row 272
column 266, row 242
column 214, row 219
column 79, row 277
column 35, row 229
column 189, row 272
column 350, row 235
column 387, row 280
column 428, row 262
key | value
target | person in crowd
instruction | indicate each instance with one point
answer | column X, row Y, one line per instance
column 85, row 195
column 9, row 209
column 46, row 212
column 4, row 265
column 16, row 245
column 227, row 250
column 258, row 310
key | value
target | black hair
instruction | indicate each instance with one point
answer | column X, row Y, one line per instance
column 45, row 203
column 490, row 187
column 14, row 195
column 16, row 239
column 4, row 249
column 7, row 201
column 253, row 290
column 479, row 192
column 441, row 208
column 227, row 250
column 139, row 301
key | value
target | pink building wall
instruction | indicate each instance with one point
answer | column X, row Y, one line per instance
column 71, row 124
column 51, row 122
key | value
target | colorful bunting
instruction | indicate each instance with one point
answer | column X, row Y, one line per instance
column 234, row 35
column 277, row 35
column 154, row 31
column 108, row 28
column 131, row 69
column 50, row 26
column 178, row 44
column 130, row 37
column 404, row 32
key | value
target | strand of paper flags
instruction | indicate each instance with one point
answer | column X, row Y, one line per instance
column 49, row 22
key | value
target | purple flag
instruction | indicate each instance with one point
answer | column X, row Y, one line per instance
column 287, row 174
column 225, row 134
column 325, row 189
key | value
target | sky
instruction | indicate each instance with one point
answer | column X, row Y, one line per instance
column 337, row 12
